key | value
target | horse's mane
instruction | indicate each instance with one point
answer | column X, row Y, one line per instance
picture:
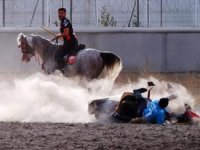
column 41, row 37
column 19, row 38
column 45, row 44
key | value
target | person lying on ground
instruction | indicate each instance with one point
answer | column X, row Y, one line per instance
column 133, row 105
column 155, row 112
column 187, row 117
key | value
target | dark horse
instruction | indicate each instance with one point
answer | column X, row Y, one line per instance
column 90, row 63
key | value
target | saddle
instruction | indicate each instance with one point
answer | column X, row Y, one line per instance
column 70, row 59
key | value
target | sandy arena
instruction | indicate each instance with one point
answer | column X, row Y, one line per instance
column 63, row 121
column 130, row 43
column 98, row 136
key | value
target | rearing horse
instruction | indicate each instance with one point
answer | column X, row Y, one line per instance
column 90, row 63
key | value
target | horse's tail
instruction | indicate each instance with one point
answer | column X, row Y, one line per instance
column 112, row 63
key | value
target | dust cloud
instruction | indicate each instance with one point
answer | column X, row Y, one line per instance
column 54, row 98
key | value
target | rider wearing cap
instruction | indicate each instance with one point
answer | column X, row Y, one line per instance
column 66, row 33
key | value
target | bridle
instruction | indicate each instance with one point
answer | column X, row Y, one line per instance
column 27, row 51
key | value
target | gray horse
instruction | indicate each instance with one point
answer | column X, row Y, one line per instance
column 90, row 63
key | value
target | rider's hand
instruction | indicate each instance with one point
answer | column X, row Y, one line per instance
column 54, row 39
column 167, row 122
column 58, row 36
column 173, row 96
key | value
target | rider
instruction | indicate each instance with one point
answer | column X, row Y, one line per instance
column 188, row 116
column 155, row 111
column 66, row 32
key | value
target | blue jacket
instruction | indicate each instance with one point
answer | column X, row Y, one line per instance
column 154, row 113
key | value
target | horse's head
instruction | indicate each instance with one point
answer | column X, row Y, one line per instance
column 25, row 43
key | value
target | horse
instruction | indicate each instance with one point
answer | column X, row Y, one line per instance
column 130, row 106
column 90, row 63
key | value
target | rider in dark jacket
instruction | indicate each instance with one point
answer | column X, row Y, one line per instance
column 66, row 33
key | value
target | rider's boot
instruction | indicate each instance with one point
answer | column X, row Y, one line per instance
column 61, row 65
column 65, row 58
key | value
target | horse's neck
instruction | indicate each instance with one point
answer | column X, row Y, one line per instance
column 41, row 46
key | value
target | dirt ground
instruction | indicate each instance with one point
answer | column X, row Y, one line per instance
column 107, row 136
column 98, row 136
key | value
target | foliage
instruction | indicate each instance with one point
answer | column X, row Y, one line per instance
column 107, row 19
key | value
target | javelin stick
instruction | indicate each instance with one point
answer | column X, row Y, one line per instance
column 50, row 32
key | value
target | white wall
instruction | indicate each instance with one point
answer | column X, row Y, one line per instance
column 157, row 50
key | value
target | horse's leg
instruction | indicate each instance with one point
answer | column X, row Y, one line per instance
column 70, row 70
column 50, row 66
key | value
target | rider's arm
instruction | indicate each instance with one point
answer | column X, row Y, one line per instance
column 160, row 117
column 64, row 34
column 65, row 25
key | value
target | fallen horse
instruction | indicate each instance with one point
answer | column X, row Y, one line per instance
column 132, row 108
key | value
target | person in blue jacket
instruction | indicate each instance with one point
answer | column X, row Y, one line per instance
column 155, row 111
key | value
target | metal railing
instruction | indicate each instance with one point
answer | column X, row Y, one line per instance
column 120, row 13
